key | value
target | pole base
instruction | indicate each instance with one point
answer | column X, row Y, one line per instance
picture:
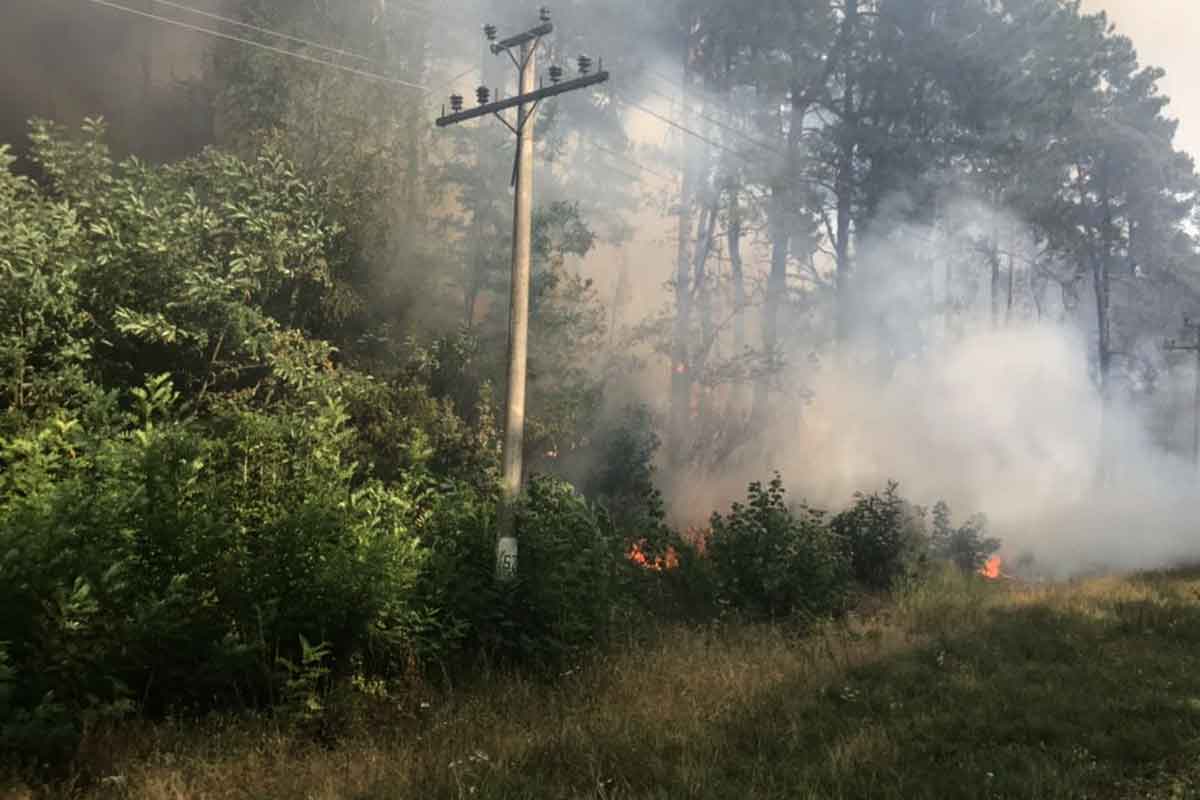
column 506, row 558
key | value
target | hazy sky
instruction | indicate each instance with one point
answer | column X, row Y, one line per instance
column 1166, row 34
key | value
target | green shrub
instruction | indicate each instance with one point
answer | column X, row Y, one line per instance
column 566, row 592
column 884, row 537
column 454, row 595
column 773, row 561
column 676, row 582
column 43, row 353
column 965, row 546
column 173, row 562
column 617, row 469
column 305, row 682
column 7, row 679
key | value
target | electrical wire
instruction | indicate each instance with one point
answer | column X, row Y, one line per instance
column 309, row 42
column 626, row 159
column 678, row 87
column 266, row 31
column 408, row 84
column 270, row 48
column 707, row 140
column 444, row 85
column 624, row 174
column 722, row 125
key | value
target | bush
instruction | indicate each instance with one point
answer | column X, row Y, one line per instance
column 617, row 470
column 771, row 561
column 884, row 537
column 965, row 546
column 567, row 589
column 675, row 581
column 563, row 598
column 173, row 562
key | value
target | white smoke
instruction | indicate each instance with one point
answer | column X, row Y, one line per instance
column 1007, row 423
column 991, row 414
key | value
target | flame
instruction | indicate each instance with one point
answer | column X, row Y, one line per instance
column 637, row 554
column 696, row 538
column 991, row 570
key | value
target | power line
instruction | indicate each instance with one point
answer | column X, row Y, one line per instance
column 707, row 140
column 674, row 86
column 407, row 84
column 266, row 31
column 710, row 141
column 626, row 159
column 309, row 42
column 723, row 125
column 441, row 87
column 270, row 48
column 299, row 40
column 623, row 173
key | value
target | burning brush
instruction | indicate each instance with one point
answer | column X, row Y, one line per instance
column 638, row 555
column 993, row 569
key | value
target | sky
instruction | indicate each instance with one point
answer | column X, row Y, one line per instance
column 1166, row 34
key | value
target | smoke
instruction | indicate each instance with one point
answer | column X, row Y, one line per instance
column 68, row 59
column 1009, row 423
column 997, row 414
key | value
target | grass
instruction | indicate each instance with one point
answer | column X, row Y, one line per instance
column 960, row 689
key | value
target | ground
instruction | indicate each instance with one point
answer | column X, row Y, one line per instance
column 960, row 688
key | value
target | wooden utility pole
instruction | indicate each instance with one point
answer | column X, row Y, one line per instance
column 526, row 103
column 1192, row 345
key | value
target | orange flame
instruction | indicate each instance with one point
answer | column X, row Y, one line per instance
column 637, row 554
column 991, row 570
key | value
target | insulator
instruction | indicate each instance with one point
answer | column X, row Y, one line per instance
column 482, row 93
column 544, row 14
column 585, row 65
column 456, row 103
column 490, row 32
column 556, row 73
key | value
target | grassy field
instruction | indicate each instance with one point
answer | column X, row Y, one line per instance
column 962, row 689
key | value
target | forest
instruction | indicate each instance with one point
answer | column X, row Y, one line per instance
column 859, row 334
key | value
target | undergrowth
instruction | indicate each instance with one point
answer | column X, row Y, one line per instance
column 959, row 689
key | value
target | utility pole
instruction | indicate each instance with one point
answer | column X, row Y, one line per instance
column 526, row 103
column 1192, row 345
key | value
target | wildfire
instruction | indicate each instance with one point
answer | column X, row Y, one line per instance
column 991, row 570
column 637, row 554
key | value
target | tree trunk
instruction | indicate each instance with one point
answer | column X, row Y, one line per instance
column 844, row 178
column 681, row 379
column 842, row 243
column 703, row 290
column 1100, row 279
column 1102, row 290
column 993, row 257
column 776, row 286
column 1012, row 272
column 734, row 238
column 622, row 294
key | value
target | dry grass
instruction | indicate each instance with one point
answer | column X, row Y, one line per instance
column 961, row 689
